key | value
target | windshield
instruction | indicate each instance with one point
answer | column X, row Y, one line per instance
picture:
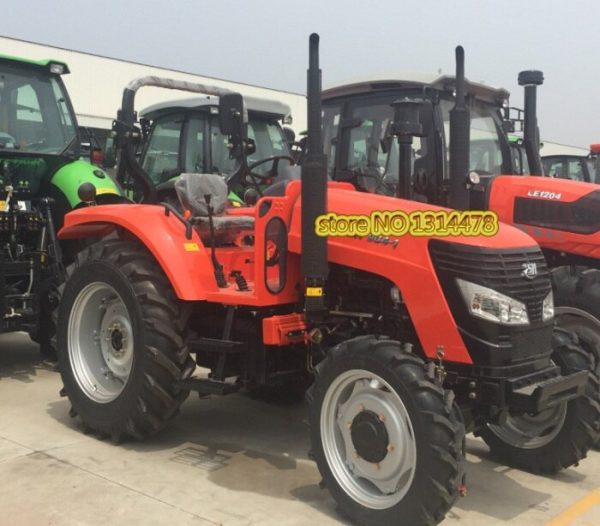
column 267, row 136
column 485, row 145
column 34, row 113
column 178, row 143
column 370, row 155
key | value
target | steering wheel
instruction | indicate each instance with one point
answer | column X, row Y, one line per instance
column 255, row 178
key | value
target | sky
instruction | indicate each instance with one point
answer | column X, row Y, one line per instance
column 265, row 42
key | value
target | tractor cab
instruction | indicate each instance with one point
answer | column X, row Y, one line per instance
column 39, row 138
column 358, row 121
column 575, row 167
column 191, row 136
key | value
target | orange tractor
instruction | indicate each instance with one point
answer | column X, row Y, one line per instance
column 257, row 297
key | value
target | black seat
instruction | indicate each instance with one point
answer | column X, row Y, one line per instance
column 192, row 189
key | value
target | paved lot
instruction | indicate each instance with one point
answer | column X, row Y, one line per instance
column 232, row 461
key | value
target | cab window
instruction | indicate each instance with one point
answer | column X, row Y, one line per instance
column 162, row 153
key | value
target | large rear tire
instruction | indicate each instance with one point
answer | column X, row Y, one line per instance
column 386, row 437
column 121, row 341
column 556, row 438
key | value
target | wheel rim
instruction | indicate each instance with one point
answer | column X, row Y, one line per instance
column 532, row 431
column 368, row 439
column 585, row 325
column 100, row 342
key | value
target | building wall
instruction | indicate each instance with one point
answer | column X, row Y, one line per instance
column 96, row 83
column 553, row 148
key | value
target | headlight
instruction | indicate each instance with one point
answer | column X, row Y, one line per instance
column 490, row 305
column 548, row 307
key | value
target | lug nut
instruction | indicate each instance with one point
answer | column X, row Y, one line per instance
column 472, row 395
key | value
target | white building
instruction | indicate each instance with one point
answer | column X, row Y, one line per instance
column 96, row 83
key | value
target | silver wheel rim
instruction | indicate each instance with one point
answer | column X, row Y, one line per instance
column 100, row 342
column 532, row 431
column 375, row 485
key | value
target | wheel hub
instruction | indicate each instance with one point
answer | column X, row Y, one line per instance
column 369, row 436
column 117, row 339
column 101, row 343
column 368, row 439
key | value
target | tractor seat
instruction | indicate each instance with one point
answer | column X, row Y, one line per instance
column 192, row 190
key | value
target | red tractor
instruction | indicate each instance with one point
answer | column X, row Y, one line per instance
column 362, row 119
column 405, row 342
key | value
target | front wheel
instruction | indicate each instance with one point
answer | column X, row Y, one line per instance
column 386, row 438
column 122, row 341
column 557, row 437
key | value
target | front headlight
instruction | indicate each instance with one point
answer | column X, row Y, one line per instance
column 490, row 305
column 548, row 307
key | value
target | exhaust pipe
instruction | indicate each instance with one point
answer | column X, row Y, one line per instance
column 531, row 79
column 406, row 125
column 460, row 131
column 314, row 194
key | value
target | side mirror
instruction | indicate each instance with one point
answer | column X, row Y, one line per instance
column 110, row 156
column 233, row 116
column 290, row 135
column 233, row 121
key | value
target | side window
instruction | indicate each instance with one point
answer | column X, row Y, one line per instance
column 28, row 105
column 194, row 145
column 575, row 170
column 592, row 170
column 29, row 123
column 331, row 123
column 162, row 154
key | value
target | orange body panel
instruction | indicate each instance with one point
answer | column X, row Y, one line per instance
column 505, row 189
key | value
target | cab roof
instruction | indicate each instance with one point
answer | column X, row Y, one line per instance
column 271, row 108
column 43, row 63
column 396, row 81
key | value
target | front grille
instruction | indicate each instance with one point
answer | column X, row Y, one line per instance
column 581, row 216
column 492, row 344
column 500, row 270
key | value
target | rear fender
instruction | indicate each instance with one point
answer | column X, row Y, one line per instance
column 186, row 262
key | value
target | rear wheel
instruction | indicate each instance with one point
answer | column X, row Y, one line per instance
column 559, row 436
column 122, row 341
column 386, row 438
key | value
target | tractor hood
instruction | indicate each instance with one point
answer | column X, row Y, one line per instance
column 560, row 214
column 345, row 200
column 71, row 176
column 406, row 261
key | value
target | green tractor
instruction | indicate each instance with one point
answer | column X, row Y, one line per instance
column 42, row 177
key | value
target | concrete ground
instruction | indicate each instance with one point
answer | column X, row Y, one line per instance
column 232, row 461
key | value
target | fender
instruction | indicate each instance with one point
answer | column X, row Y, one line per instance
column 407, row 264
column 560, row 214
column 69, row 177
column 186, row 262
